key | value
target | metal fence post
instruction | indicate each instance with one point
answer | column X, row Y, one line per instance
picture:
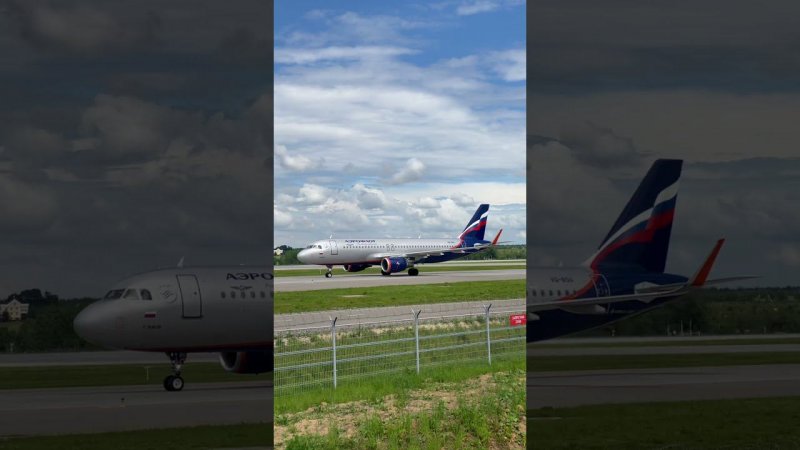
column 486, row 308
column 333, row 341
column 416, row 334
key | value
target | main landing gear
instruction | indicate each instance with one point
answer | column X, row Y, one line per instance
column 329, row 273
column 413, row 271
column 174, row 382
column 384, row 273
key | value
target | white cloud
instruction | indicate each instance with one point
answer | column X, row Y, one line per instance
column 298, row 163
column 476, row 7
column 509, row 64
column 312, row 194
column 313, row 55
column 412, row 171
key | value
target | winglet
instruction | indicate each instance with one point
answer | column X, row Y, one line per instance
column 699, row 278
column 496, row 238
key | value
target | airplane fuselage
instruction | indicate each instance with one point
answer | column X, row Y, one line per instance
column 371, row 251
column 549, row 284
column 189, row 310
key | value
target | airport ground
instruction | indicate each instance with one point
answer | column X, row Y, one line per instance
column 687, row 393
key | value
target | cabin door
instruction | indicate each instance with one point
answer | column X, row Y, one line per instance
column 190, row 296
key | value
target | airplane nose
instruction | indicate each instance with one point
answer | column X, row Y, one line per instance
column 303, row 256
column 90, row 324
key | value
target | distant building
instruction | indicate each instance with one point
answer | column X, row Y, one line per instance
column 14, row 310
column 278, row 251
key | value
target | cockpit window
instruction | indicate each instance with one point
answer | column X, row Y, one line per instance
column 319, row 246
column 145, row 294
column 131, row 293
column 114, row 294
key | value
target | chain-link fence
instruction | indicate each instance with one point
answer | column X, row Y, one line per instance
column 425, row 336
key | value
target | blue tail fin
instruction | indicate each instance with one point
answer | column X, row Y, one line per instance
column 640, row 236
column 476, row 227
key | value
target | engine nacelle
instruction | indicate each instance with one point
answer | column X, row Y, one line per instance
column 355, row 267
column 246, row 362
column 391, row 265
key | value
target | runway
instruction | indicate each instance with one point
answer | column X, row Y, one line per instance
column 121, row 408
column 386, row 315
column 338, row 281
column 95, row 358
column 534, row 351
column 588, row 387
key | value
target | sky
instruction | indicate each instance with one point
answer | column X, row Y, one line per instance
column 612, row 86
column 397, row 119
column 132, row 134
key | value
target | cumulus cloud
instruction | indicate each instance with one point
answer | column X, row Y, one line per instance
column 313, row 55
column 412, row 171
column 297, row 163
column 509, row 64
column 476, row 7
column 313, row 194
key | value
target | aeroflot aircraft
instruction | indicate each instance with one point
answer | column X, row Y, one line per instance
column 625, row 275
column 397, row 255
column 177, row 311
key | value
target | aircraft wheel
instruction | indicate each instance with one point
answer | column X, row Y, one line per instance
column 413, row 272
column 385, row 273
column 328, row 274
column 173, row 383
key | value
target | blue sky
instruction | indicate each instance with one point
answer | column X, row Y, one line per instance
column 397, row 120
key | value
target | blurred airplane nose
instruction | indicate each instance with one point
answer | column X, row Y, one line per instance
column 90, row 322
column 303, row 256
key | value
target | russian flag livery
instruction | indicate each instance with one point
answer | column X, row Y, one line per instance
column 476, row 228
column 640, row 236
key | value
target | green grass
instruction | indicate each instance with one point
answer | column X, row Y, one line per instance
column 599, row 362
column 205, row 437
column 491, row 419
column 321, row 300
column 667, row 343
column 376, row 387
column 112, row 375
column 739, row 424
column 339, row 272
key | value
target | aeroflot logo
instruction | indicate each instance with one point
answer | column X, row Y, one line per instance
column 359, row 240
column 250, row 276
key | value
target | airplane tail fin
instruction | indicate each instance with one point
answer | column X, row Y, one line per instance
column 640, row 236
column 476, row 227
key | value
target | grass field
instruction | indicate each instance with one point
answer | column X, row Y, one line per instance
column 339, row 272
column 205, row 437
column 474, row 412
column 371, row 297
column 752, row 424
column 113, row 375
column 599, row 362
column 374, row 388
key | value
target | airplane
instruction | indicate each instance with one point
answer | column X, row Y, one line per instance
column 183, row 310
column 397, row 255
column 625, row 276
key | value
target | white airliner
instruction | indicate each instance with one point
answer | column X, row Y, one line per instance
column 397, row 255
column 188, row 309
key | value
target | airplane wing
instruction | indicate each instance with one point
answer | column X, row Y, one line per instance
column 426, row 253
column 650, row 293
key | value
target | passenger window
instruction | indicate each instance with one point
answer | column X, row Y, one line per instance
column 131, row 293
column 222, row 294
column 252, row 294
column 551, row 292
column 263, row 294
column 145, row 294
column 242, row 294
column 233, row 294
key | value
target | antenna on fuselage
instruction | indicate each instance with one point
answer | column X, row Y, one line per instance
column 180, row 263
column 331, row 236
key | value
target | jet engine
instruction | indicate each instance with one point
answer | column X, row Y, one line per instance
column 391, row 265
column 246, row 362
column 355, row 267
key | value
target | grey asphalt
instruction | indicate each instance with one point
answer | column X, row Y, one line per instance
column 121, row 408
column 339, row 281
column 591, row 387
column 392, row 314
column 95, row 358
column 534, row 351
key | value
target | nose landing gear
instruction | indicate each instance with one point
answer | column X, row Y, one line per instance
column 174, row 382
column 329, row 273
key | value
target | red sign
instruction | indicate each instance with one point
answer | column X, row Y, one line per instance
column 517, row 319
